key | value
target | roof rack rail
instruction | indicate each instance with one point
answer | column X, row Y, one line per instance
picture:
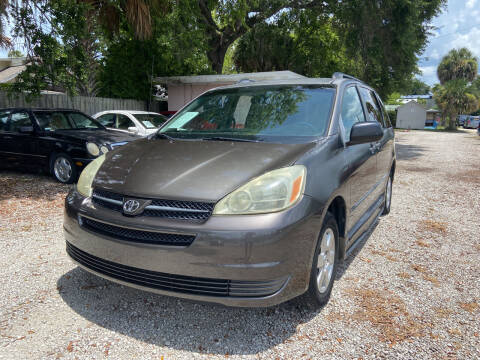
column 245, row 81
column 340, row 75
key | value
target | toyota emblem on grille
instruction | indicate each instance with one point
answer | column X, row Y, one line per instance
column 130, row 206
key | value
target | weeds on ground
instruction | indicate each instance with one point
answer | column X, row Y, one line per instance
column 433, row 226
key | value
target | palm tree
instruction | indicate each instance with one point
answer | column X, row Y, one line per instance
column 454, row 98
column 458, row 64
column 4, row 41
column 136, row 12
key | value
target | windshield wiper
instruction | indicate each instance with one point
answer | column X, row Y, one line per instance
column 164, row 136
column 222, row 138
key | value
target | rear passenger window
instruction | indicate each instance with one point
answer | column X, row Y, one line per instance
column 386, row 119
column 19, row 120
column 352, row 111
column 107, row 120
column 123, row 122
column 373, row 110
column 4, row 120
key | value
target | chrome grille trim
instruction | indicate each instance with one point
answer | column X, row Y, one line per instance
column 172, row 209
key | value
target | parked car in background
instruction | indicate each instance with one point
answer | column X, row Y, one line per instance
column 62, row 141
column 472, row 122
column 249, row 196
column 461, row 119
column 478, row 129
column 141, row 123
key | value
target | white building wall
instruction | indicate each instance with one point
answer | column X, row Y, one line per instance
column 180, row 94
column 411, row 116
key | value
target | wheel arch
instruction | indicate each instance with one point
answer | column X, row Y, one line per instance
column 338, row 208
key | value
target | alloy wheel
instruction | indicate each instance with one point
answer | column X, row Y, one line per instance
column 388, row 193
column 62, row 169
column 326, row 260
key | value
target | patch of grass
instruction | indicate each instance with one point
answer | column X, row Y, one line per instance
column 470, row 306
column 419, row 268
column 404, row 275
column 442, row 312
column 432, row 279
column 422, row 243
column 434, row 226
column 388, row 313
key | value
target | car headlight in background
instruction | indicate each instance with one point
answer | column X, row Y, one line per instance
column 93, row 149
column 84, row 185
column 270, row 192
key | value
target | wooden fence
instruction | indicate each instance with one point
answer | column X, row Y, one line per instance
column 89, row 105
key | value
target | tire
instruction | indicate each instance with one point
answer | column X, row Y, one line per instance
column 388, row 196
column 63, row 169
column 320, row 288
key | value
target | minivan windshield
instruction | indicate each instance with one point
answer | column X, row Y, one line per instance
column 256, row 113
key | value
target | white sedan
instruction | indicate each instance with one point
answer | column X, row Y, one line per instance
column 141, row 123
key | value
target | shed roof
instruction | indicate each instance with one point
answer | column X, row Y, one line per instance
column 230, row 78
column 10, row 73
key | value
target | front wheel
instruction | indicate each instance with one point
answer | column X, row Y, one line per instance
column 324, row 265
column 64, row 169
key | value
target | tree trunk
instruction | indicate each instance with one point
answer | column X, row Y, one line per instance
column 451, row 122
column 216, row 56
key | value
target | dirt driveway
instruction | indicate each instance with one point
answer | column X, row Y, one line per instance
column 412, row 291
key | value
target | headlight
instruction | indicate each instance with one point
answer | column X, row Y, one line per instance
column 93, row 149
column 103, row 149
column 84, row 185
column 270, row 192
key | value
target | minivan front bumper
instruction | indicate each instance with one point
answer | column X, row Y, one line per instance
column 250, row 260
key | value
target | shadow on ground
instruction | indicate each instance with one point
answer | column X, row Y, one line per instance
column 27, row 185
column 408, row 151
column 183, row 324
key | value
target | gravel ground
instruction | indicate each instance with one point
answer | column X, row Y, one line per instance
column 411, row 291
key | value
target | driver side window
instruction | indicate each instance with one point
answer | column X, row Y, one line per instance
column 352, row 111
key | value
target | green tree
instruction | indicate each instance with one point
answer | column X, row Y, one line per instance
column 15, row 54
column 457, row 92
column 127, row 63
column 453, row 98
column 63, row 55
column 458, row 64
column 385, row 38
column 225, row 21
column 299, row 41
column 4, row 40
column 415, row 86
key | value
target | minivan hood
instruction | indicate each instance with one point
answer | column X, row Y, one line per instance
column 190, row 170
column 99, row 137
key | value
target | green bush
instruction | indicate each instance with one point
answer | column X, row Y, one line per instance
column 392, row 114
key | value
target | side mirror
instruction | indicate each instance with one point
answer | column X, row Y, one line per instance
column 365, row 132
column 133, row 130
column 26, row 129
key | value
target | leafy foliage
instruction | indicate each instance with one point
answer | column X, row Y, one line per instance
column 415, row 87
column 458, row 64
column 456, row 94
column 385, row 38
column 127, row 65
column 62, row 45
column 298, row 41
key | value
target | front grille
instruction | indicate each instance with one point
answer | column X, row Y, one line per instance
column 171, row 209
column 175, row 283
column 139, row 236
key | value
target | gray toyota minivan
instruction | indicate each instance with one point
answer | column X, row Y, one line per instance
column 249, row 196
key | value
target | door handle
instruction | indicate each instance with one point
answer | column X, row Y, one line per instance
column 375, row 147
column 7, row 137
